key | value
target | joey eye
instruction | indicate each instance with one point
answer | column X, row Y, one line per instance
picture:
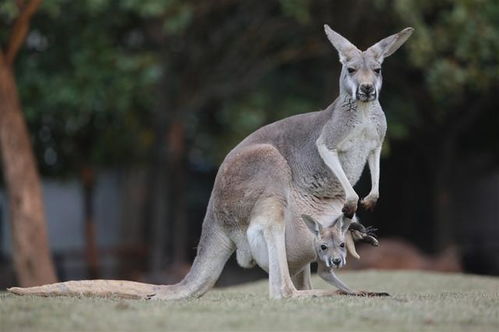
column 377, row 70
column 323, row 247
column 342, row 244
column 351, row 70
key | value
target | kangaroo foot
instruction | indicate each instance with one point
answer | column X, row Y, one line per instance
column 169, row 292
column 364, row 293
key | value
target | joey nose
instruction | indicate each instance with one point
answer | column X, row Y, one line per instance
column 366, row 89
column 336, row 261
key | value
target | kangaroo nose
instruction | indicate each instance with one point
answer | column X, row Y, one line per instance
column 366, row 88
column 336, row 261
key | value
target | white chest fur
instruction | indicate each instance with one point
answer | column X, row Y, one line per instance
column 362, row 138
column 363, row 135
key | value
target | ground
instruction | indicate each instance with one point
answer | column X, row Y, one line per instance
column 420, row 301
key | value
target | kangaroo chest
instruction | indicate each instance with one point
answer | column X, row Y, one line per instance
column 354, row 148
column 363, row 134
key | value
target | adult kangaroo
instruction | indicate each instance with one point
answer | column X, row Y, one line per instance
column 302, row 165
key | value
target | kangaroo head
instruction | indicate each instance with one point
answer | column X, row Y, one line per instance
column 361, row 72
column 329, row 243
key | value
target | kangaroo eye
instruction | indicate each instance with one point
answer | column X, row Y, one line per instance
column 323, row 247
column 351, row 70
column 377, row 70
column 342, row 244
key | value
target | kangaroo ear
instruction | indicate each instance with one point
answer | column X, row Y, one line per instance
column 346, row 50
column 389, row 45
column 312, row 224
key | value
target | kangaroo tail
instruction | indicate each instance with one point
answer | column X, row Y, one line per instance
column 213, row 251
column 100, row 288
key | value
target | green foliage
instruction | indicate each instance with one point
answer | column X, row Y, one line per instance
column 456, row 44
column 444, row 89
column 8, row 10
column 87, row 86
column 298, row 9
column 176, row 15
column 89, row 74
column 8, row 13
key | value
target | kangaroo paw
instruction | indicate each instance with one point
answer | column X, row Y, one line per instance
column 357, row 226
column 369, row 202
column 349, row 209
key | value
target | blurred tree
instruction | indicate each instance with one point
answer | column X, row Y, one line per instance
column 453, row 70
column 32, row 259
column 87, row 78
column 221, row 49
column 91, row 112
column 178, row 83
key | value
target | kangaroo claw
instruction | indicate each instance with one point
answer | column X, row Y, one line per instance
column 357, row 226
column 371, row 240
column 364, row 234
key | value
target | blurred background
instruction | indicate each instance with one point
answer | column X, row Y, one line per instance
column 115, row 115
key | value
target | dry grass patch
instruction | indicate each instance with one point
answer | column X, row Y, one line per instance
column 419, row 301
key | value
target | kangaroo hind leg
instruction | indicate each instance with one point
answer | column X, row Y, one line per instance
column 269, row 215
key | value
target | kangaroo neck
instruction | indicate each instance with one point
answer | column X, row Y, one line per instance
column 346, row 103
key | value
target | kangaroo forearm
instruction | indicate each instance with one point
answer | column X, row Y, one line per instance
column 330, row 277
column 332, row 161
column 374, row 168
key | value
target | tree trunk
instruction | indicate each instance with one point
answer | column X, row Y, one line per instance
column 444, row 228
column 91, row 252
column 159, row 214
column 157, row 209
column 443, row 233
column 32, row 260
column 178, row 192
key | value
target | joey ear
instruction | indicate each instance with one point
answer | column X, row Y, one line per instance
column 346, row 223
column 312, row 224
column 345, row 48
column 341, row 223
column 387, row 46
column 337, row 222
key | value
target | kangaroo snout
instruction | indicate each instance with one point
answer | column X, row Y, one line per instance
column 367, row 92
column 335, row 262
column 366, row 89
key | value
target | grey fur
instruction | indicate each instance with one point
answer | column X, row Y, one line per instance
column 304, row 164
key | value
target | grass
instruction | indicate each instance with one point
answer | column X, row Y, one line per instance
column 419, row 302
